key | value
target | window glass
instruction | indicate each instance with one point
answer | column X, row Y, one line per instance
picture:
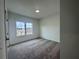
column 29, row 28
column 20, row 28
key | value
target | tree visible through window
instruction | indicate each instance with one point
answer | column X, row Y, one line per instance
column 24, row 28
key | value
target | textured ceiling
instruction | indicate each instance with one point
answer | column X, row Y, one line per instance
column 28, row 7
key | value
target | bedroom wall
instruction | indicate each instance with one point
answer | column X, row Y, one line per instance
column 13, row 17
column 69, row 29
column 50, row 27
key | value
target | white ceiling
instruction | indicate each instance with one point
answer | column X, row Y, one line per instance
column 28, row 7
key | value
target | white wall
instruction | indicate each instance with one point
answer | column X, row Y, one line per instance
column 69, row 29
column 13, row 17
column 50, row 27
column 2, row 31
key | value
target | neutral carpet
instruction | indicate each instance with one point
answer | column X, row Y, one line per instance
column 34, row 49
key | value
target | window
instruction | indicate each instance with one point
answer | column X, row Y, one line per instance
column 29, row 28
column 23, row 28
column 20, row 28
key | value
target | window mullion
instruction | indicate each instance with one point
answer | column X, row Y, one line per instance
column 25, row 29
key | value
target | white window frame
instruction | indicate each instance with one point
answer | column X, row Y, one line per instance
column 26, row 26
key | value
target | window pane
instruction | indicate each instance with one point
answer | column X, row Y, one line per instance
column 29, row 24
column 29, row 31
column 29, row 28
column 20, row 25
column 20, row 28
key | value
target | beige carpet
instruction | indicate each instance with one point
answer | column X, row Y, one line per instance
column 34, row 49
